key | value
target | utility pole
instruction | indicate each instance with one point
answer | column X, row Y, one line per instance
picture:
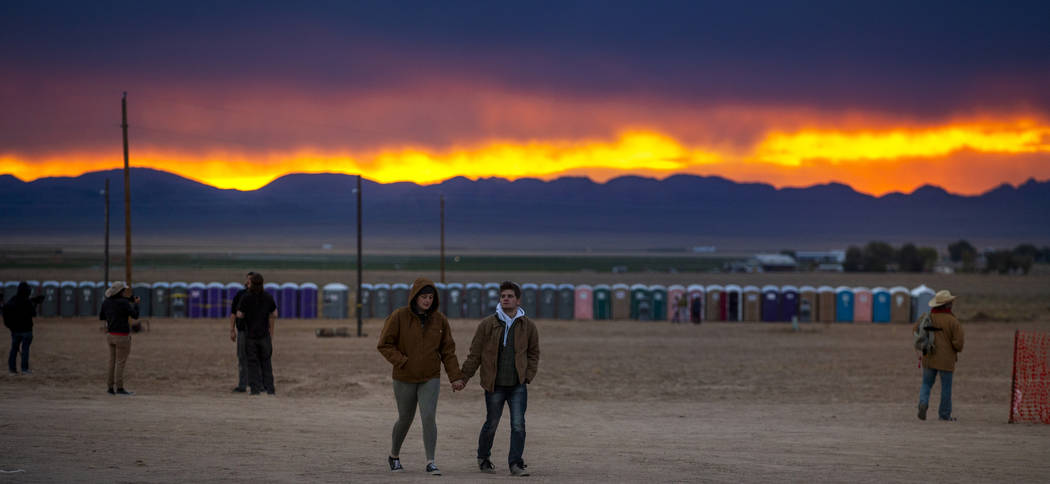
column 442, row 238
column 127, row 191
column 359, row 317
column 105, row 265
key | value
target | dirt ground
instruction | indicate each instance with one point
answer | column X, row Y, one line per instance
column 613, row 402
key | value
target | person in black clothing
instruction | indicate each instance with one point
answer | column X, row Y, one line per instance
column 237, row 336
column 119, row 307
column 259, row 312
column 18, row 317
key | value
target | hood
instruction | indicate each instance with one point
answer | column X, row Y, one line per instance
column 418, row 286
column 23, row 290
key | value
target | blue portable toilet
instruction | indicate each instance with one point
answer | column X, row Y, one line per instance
column 287, row 305
column 442, row 294
column 100, row 296
column 10, row 288
column 453, row 305
column 67, row 299
column 179, row 298
column 308, row 300
column 566, row 307
column 336, row 299
column 228, row 293
column 920, row 301
column 49, row 308
column 399, row 295
column 641, row 303
column 490, row 298
column 274, row 290
column 530, row 298
column 844, row 304
column 770, row 303
column 196, row 292
column 144, row 292
column 86, row 305
column 382, row 306
column 365, row 304
column 161, row 306
column 880, row 305
column 215, row 302
column 788, row 303
column 548, row 308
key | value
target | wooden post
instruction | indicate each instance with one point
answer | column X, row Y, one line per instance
column 127, row 191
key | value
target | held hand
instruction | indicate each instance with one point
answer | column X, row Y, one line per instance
column 233, row 335
column 458, row 385
column 136, row 299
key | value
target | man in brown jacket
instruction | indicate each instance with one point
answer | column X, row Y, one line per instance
column 506, row 347
column 417, row 340
column 947, row 344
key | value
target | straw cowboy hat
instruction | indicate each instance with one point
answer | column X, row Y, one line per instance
column 941, row 298
column 115, row 288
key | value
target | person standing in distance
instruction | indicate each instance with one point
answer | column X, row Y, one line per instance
column 506, row 347
column 18, row 317
column 948, row 339
column 417, row 341
column 237, row 336
column 117, row 310
column 259, row 311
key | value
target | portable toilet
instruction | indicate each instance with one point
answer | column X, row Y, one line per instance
column 752, row 296
column 287, row 304
column 920, row 301
column 900, row 304
column 734, row 302
column 641, row 303
column 716, row 306
column 365, row 305
column 442, row 295
column 490, row 298
column 67, row 299
column 788, row 303
column 382, row 306
column 602, row 297
column 475, row 305
column 826, row 304
column 335, row 298
column 880, row 305
column 215, row 305
column 695, row 293
column 308, row 300
column 530, row 298
column 86, row 304
column 770, row 303
column 274, row 290
column 399, row 295
column 621, row 301
column 229, row 292
column 10, row 288
column 676, row 295
column 566, row 301
column 49, row 308
column 160, row 307
column 548, row 301
column 195, row 300
column 583, row 308
column 179, row 299
column 861, row 305
column 453, row 307
column 843, row 304
column 807, row 304
column 145, row 295
column 658, row 302
column 35, row 290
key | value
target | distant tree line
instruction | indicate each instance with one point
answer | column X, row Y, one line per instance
column 882, row 257
column 1003, row 261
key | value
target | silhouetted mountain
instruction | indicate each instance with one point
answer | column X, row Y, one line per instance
column 680, row 205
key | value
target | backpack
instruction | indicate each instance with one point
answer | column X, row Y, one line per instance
column 924, row 335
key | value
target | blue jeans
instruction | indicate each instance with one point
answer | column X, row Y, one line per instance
column 20, row 340
column 517, row 398
column 928, row 377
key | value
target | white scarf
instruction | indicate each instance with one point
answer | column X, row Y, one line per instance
column 508, row 320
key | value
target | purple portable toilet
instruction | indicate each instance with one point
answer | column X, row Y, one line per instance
column 770, row 303
column 788, row 303
column 228, row 294
column 308, row 300
column 274, row 291
column 195, row 299
column 214, row 302
column 286, row 305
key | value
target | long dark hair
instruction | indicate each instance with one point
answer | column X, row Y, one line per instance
column 257, row 282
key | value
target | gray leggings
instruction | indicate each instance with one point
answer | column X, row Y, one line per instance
column 408, row 395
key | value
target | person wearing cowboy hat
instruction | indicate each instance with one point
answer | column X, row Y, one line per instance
column 118, row 309
column 947, row 344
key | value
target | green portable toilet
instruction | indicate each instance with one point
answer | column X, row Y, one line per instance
column 490, row 298
column 145, row 295
column 474, row 300
column 86, row 305
column 366, row 301
column 641, row 303
column 548, row 301
column 334, row 301
column 658, row 293
column 399, row 295
column 100, row 296
column 67, row 299
column 530, row 299
column 49, row 308
column 602, row 296
column 161, row 306
column 453, row 306
column 566, row 301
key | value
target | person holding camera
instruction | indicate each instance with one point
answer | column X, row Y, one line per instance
column 118, row 309
column 18, row 317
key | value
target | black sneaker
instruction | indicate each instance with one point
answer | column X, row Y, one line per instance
column 110, row 391
column 239, row 389
column 518, row 470
column 395, row 464
column 433, row 469
column 485, row 465
column 922, row 411
column 121, row 391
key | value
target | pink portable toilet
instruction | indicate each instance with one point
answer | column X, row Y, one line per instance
column 676, row 292
column 862, row 305
column 584, row 307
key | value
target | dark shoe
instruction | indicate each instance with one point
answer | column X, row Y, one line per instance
column 485, row 465
column 518, row 470
column 395, row 464
column 922, row 411
column 110, row 391
column 239, row 389
column 121, row 391
column 253, row 392
column 271, row 392
column 433, row 469
column 27, row 372
column 949, row 419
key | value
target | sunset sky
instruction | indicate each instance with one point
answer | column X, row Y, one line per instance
column 885, row 96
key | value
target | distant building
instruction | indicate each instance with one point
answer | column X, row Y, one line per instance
column 824, row 261
column 774, row 263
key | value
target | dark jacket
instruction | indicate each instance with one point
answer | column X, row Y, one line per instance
column 417, row 347
column 484, row 350
column 117, row 311
column 19, row 311
column 257, row 308
column 237, row 322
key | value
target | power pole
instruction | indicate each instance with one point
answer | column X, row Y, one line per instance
column 442, row 239
column 105, row 193
column 127, row 191
column 359, row 318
